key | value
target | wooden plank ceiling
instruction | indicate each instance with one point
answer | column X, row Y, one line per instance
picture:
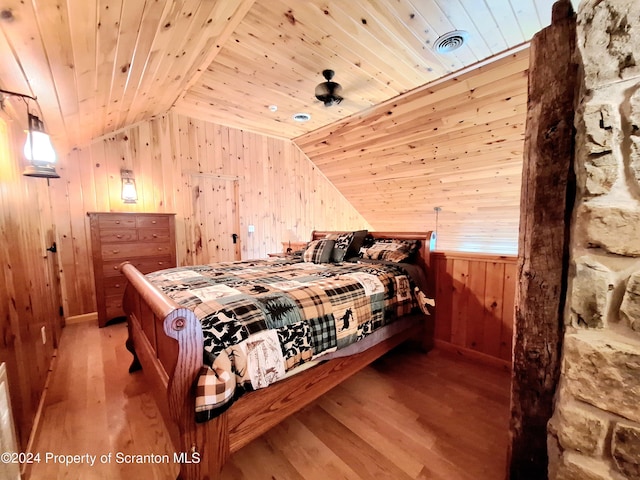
column 99, row 65
column 402, row 141
column 377, row 48
column 457, row 145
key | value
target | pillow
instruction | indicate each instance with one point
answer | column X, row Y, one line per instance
column 356, row 243
column 341, row 246
column 318, row 251
column 367, row 241
column 390, row 250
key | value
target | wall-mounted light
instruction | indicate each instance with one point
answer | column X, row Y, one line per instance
column 435, row 242
column 129, row 193
column 38, row 149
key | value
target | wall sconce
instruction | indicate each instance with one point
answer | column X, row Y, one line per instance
column 38, row 149
column 435, row 240
column 129, row 193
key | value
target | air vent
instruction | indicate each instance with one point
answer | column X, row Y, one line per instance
column 451, row 41
column 302, row 117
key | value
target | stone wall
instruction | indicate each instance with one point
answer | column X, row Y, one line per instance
column 595, row 431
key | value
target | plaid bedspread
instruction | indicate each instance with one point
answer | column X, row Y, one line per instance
column 261, row 319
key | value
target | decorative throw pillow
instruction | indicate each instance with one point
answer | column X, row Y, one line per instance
column 341, row 246
column 367, row 241
column 356, row 243
column 318, row 251
column 390, row 250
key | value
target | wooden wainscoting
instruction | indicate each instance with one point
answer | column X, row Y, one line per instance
column 475, row 296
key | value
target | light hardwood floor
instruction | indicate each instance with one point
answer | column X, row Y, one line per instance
column 408, row 416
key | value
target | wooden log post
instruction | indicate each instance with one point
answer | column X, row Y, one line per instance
column 548, row 191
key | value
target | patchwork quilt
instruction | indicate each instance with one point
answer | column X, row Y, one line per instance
column 263, row 318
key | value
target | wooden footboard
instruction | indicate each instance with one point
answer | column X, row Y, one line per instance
column 167, row 341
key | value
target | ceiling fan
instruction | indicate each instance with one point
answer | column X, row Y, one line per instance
column 328, row 92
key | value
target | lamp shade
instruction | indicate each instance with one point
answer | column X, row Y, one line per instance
column 38, row 148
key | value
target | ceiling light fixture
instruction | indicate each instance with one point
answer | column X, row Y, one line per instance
column 328, row 92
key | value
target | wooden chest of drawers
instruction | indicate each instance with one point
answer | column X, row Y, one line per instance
column 147, row 240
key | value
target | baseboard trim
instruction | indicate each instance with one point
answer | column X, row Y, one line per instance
column 473, row 355
column 87, row 317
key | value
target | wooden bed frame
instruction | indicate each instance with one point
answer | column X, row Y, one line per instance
column 167, row 342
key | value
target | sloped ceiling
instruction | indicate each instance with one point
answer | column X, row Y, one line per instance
column 456, row 146
column 98, row 65
column 416, row 129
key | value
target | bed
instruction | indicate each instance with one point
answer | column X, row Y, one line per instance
column 169, row 343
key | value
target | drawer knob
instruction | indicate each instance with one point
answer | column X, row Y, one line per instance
column 118, row 236
column 115, row 267
column 153, row 221
column 155, row 235
column 117, row 285
column 115, row 251
column 117, row 222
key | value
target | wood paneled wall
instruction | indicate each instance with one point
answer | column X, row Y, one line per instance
column 475, row 297
column 279, row 191
column 28, row 284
